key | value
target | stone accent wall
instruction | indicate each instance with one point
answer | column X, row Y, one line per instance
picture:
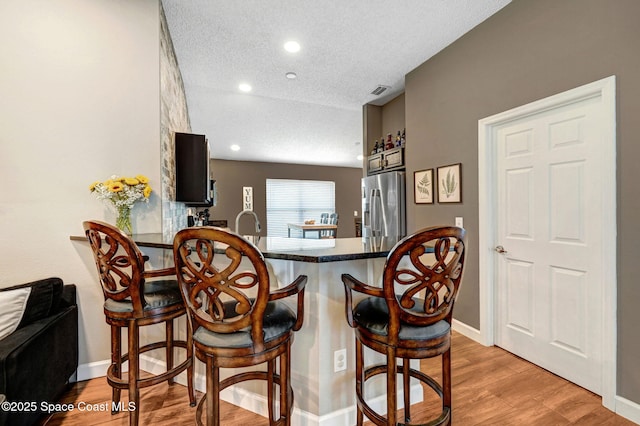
column 174, row 117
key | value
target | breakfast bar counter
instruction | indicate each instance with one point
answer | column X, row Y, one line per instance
column 298, row 249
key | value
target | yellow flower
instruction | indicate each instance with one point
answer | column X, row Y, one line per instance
column 122, row 192
column 142, row 178
column 116, row 187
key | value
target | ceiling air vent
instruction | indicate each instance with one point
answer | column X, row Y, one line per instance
column 379, row 90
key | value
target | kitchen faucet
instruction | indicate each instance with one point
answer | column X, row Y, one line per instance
column 251, row 212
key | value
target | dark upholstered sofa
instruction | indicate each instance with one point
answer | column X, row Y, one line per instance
column 39, row 357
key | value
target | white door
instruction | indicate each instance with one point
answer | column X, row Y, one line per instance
column 549, row 238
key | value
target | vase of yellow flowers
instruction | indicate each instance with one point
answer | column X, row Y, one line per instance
column 123, row 193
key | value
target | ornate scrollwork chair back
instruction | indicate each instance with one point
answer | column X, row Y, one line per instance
column 409, row 317
column 120, row 265
column 237, row 320
column 423, row 292
column 224, row 299
column 135, row 297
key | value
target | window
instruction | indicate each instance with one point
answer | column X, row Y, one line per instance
column 294, row 201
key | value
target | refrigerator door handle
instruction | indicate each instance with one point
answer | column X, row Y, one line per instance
column 375, row 211
column 366, row 214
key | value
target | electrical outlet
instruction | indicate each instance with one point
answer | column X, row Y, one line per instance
column 355, row 213
column 340, row 360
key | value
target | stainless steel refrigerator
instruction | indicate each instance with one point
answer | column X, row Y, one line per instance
column 383, row 205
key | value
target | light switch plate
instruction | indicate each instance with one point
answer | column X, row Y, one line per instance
column 459, row 222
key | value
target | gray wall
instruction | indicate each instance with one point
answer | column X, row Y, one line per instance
column 393, row 117
column 527, row 51
column 231, row 176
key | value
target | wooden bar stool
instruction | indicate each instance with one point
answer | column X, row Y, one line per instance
column 133, row 301
column 408, row 318
column 236, row 320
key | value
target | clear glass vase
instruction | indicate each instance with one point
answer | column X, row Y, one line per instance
column 123, row 221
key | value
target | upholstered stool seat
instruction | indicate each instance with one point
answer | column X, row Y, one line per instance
column 157, row 294
column 279, row 320
column 372, row 315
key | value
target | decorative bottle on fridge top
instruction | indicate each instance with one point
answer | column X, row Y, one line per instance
column 389, row 144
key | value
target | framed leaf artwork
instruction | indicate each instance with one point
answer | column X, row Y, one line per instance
column 450, row 184
column 423, row 186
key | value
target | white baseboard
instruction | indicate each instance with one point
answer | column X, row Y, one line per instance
column 628, row 409
column 96, row 369
column 92, row 370
column 467, row 331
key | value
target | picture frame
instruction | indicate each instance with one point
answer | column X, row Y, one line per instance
column 450, row 183
column 423, row 186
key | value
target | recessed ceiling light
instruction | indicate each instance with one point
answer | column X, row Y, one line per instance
column 244, row 87
column 291, row 75
column 359, row 157
column 292, row 46
column 235, row 148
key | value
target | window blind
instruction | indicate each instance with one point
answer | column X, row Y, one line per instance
column 294, row 201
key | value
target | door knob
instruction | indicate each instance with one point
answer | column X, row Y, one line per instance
column 500, row 249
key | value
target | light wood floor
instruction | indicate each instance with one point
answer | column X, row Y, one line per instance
column 490, row 387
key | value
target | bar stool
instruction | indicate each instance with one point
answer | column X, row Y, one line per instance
column 133, row 301
column 236, row 320
column 408, row 318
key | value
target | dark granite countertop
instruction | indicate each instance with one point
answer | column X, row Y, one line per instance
column 298, row 249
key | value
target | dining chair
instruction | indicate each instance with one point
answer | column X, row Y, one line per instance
column 408, row 318
column 135, row 297
column 237, row 321
column 324, row 219
column 333, row 220
column 330, row 219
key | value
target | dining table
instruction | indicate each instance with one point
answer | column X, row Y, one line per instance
column 312, row 227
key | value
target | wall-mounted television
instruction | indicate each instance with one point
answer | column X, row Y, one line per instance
column 194, row 185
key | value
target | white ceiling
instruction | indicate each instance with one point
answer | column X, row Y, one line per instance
column 348, row 49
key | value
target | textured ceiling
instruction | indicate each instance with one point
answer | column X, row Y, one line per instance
column 348, row 49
